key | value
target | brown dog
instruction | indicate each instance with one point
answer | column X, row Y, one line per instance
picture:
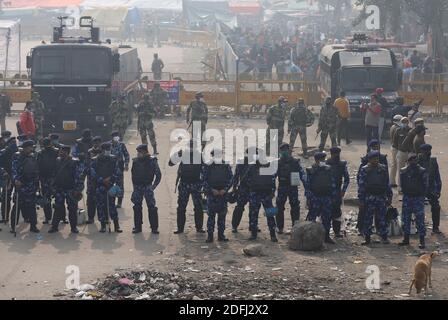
column 422, row 272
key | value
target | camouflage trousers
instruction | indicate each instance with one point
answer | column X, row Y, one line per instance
column 414, row 205
column 148, row 131
column 301, row 131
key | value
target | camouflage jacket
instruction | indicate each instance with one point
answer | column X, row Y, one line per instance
column 118, row 112
column 197, row 111
column 328, row 118
column 145, row 113
column 276, row 117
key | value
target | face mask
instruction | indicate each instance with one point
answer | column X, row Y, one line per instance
column 284, row 154
column 321, row 164
column 116, row 139
column 107, row 152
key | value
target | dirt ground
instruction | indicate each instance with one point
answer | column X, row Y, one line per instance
column 34, row 267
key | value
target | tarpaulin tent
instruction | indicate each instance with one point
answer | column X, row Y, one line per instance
column 208, row 12
column 111, row 18
column 9, row 47
column 15, row 4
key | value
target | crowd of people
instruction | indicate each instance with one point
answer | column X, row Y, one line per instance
column 58, row 174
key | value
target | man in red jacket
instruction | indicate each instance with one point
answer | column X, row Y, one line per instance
column 26, row 121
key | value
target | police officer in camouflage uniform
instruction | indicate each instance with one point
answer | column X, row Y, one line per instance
column 434, row 184
column 119, row 114
column 159, row 98
column 288, row 186
column 67, row 185
column 121, row 153
column 217, row 179
column 320, row 190
column 328, row 123
column 91, row 186
column 262, row 191
column 297, row 125
column 146, row 113
column 198, row 111
column 275, row 120
column 189, row 179
column 342, row 178
column 47, row 159
column 25, row 177
column 106, row 173
column 375, row 195
column 38, row 114
column 146, row 177
column 414, row 185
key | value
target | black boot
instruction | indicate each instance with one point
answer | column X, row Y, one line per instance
column 34, row 229
column 90, row 221
column 436, row 230
column 178, row 232
column 154, row 148
column 405, row 241
column 367, row 241
column 384, row 240
column 136, row 230
column 103, row 227
column 119, row 203
column 117, row 226
column 53, row 230
column 273, row 236
column 222, row 237
column 209, row 238
column 422, row 242
column 337, row 229
column 74, row 230
column 200, row 230
column 253, row 236
column 328, row 239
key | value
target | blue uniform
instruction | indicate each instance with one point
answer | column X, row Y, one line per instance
column 414, row 184
column 6, row 155
column 91, row 187
column 262, row 190
column 119, row 150
column 67, row 178
column 287, row 166
column 320, row 190
column 434, row 187
column 242, row 194
column 103, row 167
column 146, row 177
column 25, row 170
column 46, row 159
column 342, row 178
column 216, row 177
column 375, row 194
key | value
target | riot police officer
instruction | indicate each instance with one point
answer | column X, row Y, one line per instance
column 47, row 160
column 275, row 120
column 342, row 179
column 414, row 184
column 374, row 194
column 320, row 190
column 146, row 113
column 297, row 124
column 105, row 172
column 121, row 153
column 262, row 190
column 289, row 173
column 6, row 155
column 146, row 177
column 434, row 184
column 198, row 111
column 217, row 180
column 91, row 187
column 82, row 146
column 68, row 186
column 189, row 183
column 25, row 177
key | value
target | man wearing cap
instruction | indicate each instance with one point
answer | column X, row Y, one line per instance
column 328, row 120
column 91, row 186
column 321, row 189
column 414, row 114
column 394, row 167
column 372, row 112
column 374, row 194
column 47, row 161
column 197, row 111
column 6, row 155
column 217, row 180
column 25, row 177
column 342, row 178
column 68, row 185
column 159, row 98
column 419, row 139
column 146, row 177
column 398, row 139
column 297, row 125
column 105, row 173
column 146, row 113
column 289, row 172
column 120, row 151
column 189, row 183
column 414, row 184
column 408, row 143
column 119, row 114
column 262, row 190
column 275, row 120
column 82, row 146
column 434, row 184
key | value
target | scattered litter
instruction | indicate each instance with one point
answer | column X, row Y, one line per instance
column 357, row 262
column 86, row 287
